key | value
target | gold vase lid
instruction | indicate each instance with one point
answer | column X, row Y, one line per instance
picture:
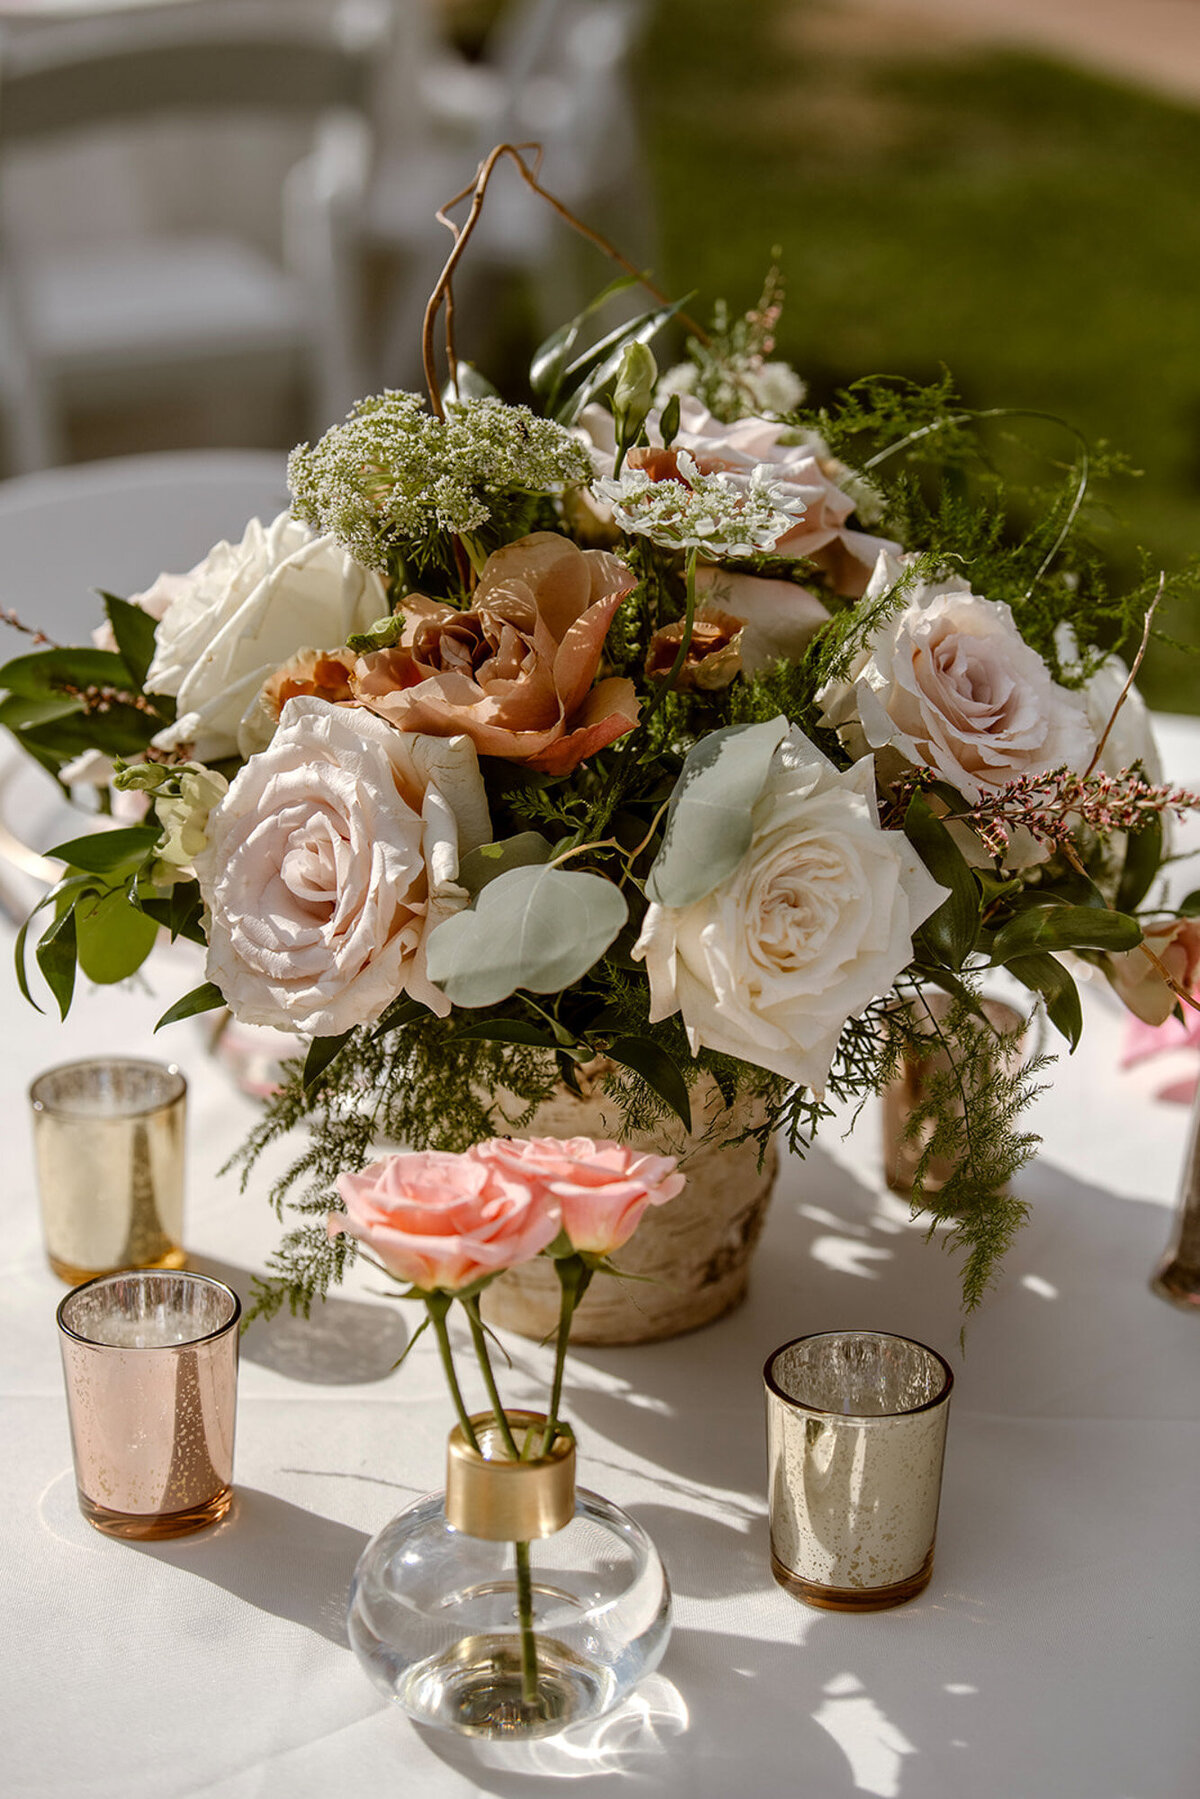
column 489, row 1495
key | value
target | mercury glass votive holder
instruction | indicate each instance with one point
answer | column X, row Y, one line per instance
column 856, row 1435
column 109, row 1145
column 150, row 1360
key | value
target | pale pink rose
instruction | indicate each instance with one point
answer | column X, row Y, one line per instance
column 778, row 618
column 1176, row 944
column 516, row 672
column 600, row 1189
column 948, row 682
column 445, row 1221
column 331, row 858
column 805, row 469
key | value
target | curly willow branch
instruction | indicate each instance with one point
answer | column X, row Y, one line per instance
column 476, row 190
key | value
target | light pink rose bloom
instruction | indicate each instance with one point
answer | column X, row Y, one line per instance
column 949, row 683
column 516, row 672
column 805, row 469
column 600, row 1189
column 444, row 1221
column 778, row 618
column 1175, row 942
column 331, row 858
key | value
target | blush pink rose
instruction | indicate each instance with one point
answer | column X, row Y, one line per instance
column 1175, row 945
column 599, row 1189
column 516, row 672
column 445, row 1221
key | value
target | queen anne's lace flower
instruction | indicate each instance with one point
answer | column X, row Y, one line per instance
column 724, row 515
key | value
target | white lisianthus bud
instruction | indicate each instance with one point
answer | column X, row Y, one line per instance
column 184, row 818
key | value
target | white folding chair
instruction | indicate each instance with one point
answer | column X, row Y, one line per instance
column 117, row 315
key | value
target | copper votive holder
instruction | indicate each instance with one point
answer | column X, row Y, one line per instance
column 150, row 1362
column 108, row 1137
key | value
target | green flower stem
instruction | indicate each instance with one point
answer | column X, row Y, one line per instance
column 471, row 1307
column 529, row 1660
column 437, row 1305
column 574, row 1277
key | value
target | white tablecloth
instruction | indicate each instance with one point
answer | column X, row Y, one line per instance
column 1053, row 1656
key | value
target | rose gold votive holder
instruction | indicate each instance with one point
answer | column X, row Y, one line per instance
column 150, row 1363
column 108, row 1135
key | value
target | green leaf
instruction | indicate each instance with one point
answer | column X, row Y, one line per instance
column 114, row 938
column 709, row 821
column 1047, row 928
column 56, row 958
column 592, row 371
column 42, row 675
column 134, row 631
column 401, row 1011
column 528, row 849
column 322, row 1051
column 1042, row 974
column 540, row 928
column 1143, row 859
column 550, row 359
column 507, row 1030
column 470, row 384
column 951, row 930
column 658, row 1070
column 180, row 914
column 103, row 852
column 1189, row 906
column 205, row 998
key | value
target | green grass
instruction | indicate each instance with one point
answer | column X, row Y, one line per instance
column 1031, row 227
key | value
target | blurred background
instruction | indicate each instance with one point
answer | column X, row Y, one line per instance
column 217, row 216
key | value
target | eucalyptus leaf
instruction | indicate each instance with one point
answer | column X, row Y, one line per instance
column 507, row 1030
column 400, row 1012
column 469, row 384
column 205, row 998
column 538, row 928
column 1049, row 928
column 709, row 823
column 551, row 358
column 592, row 372
column 528, row 849
column 951, row 930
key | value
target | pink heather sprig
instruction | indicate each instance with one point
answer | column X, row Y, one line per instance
column 1051, row 806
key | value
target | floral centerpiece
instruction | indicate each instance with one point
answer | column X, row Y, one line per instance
column 665, row 730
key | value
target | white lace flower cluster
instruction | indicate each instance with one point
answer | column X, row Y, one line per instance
column 393, row 473
column 721, row 514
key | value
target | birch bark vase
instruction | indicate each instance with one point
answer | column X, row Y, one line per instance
column 691, row 1257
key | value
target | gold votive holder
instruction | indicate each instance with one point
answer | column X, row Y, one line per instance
column 856, row 1435
column 150, row 1361
column 109, row 1146
column 903, row 1147
column 490, row 1495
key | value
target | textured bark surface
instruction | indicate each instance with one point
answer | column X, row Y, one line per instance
column 691, row 1256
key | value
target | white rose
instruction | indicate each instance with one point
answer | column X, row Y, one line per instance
column 241, row 612
column 331, row 858
column 815, row 922
column 949, row 682
column 1131, row 739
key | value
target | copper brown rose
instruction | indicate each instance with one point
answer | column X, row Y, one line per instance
column 517, row 671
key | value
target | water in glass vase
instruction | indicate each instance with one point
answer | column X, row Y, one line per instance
column 434, row 1618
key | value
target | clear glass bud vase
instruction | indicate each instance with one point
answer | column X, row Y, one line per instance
column 435, row 1612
